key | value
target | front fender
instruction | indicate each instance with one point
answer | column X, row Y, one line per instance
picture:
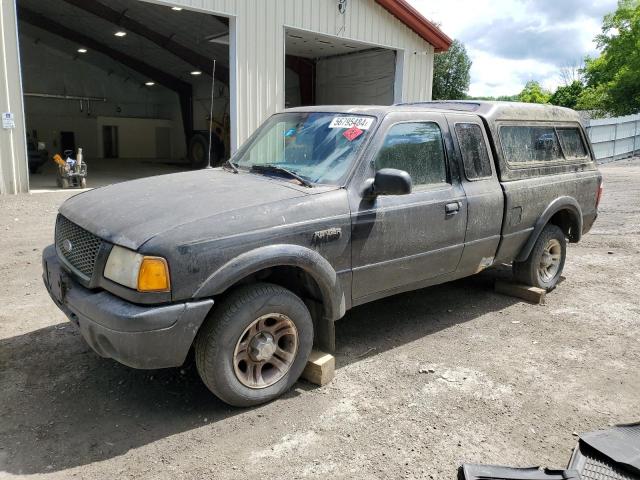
column 561, row 203
column 277, row 256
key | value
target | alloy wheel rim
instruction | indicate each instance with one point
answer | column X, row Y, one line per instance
column 550, row 261
column 265, row 351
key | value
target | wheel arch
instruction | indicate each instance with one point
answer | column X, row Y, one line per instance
column 565, row 212
column 301, row 270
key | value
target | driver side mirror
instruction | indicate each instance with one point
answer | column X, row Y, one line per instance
column 389, row 181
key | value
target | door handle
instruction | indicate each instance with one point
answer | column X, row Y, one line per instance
column 452, row 208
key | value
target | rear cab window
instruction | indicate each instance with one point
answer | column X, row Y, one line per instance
column 524, row 145
column 474, row 151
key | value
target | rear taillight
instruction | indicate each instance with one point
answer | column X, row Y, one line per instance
column 599, row 193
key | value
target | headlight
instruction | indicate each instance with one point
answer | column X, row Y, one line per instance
column 142, row 273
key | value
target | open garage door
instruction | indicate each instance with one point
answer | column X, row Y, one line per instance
column 127, row 81
column 322, row 70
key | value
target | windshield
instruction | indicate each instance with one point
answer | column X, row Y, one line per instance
column 320, row 147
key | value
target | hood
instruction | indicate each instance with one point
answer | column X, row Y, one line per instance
column 130, row 213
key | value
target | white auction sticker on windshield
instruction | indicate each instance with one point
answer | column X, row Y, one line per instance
column 363, row 123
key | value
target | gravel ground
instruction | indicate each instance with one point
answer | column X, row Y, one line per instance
column 512, row 382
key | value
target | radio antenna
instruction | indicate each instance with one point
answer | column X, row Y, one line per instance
column 213, row 82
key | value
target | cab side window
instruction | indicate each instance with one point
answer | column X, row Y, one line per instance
column 417, row 148
column 474, row 151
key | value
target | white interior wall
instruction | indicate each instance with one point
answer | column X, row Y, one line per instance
column 365, row 78
column 136, row 136
column 48, row 70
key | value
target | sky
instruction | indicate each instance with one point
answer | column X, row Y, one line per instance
column 513, row 41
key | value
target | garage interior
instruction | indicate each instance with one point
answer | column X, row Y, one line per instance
column 127, row 81
column 325, row 70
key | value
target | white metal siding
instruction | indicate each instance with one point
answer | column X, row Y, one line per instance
column 14, row 174
column 258, row 45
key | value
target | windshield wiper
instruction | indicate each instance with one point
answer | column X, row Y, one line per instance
column 230, row 164
column 277, row 169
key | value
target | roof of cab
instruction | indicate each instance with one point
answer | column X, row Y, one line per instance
column 492, row 111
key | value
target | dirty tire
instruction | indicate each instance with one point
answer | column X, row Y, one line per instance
column 217, row 341
column 83, row 183
column 533, row 271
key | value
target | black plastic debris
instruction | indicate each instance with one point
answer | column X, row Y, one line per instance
column 495, row 472
column 620, row 444
column 612, row 454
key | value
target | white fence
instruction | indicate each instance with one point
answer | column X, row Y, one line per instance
column 615, row 138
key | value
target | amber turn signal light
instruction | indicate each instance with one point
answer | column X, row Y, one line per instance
column 153, row 275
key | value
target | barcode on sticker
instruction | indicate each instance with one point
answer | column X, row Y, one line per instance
column 363, row 123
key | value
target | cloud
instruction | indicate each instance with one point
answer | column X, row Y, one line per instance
column 513, row 41
column 563, row 9
column 529, row 39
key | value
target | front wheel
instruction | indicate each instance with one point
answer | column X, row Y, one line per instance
column 545, row 263
column 255, row 345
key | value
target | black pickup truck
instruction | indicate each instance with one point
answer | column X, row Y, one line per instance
column 322, row 209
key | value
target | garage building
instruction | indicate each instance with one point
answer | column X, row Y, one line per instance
column 130, row 81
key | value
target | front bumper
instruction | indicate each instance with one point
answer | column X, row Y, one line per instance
column 138, row 336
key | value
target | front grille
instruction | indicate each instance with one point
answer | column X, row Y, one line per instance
column 83, row 245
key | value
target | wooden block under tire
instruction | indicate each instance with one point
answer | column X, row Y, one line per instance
column 320, row 368
column 530, row 294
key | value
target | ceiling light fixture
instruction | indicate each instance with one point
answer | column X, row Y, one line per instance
column 82, row 50
column 150, row 84
column 196, row 73
column 120, row 33
column 176, row 9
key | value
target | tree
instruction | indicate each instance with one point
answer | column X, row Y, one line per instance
column 571, row 72
column 567, row 95
column 594, row 99
column 451, row 73
column 534, row 93
column 613, row 79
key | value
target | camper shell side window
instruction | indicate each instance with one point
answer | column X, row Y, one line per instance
column 531, row 144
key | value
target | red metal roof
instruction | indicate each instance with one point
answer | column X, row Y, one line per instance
column 416, row 22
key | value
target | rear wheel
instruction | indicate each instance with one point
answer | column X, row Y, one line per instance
column 255, row 345
column 199, row 152
column 545, row 263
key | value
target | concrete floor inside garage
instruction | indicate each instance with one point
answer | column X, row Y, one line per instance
column 105, row 171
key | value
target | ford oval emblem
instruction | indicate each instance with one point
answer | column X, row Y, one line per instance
column 67, row 246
